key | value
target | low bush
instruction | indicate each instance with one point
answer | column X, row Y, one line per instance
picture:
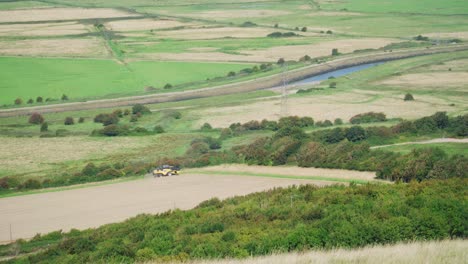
column 36, row 119
column 368, row 118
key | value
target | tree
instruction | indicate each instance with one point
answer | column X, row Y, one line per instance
column 338, row 121
column 304, row 29
column 64, row 97
column 335, row 52
column 206, row 126
column 18, row 101
column 30, row 101
column 335, row 135
column 69, row 121
column 39, row 99
column 281, row 61
column 355, row 133
column 139, row 108
column 36, row 119
column 106, row 119
column 44, row 127
column 441, row 119
column 231, row 74
column 329, row 32
column 409, row 97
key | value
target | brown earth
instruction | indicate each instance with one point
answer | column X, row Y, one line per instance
column 99, row 205
column 49, row 14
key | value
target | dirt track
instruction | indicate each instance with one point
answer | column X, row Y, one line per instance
column 432, row 141
column 98, row 205
column 241, row 87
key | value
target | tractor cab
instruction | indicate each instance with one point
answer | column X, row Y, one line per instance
column 166, row 170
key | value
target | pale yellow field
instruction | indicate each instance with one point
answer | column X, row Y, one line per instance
column 48, row 14
column 144, row 24
column 220, row 32
column 39, row 153
column 293, row 171
column 456, row 35
column 54, row 47
column 220, row 14
column 321, row 107
column 439, row 79
column 428, row 252
column 43, row 29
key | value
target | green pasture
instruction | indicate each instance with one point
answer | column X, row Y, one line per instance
column 90, row 78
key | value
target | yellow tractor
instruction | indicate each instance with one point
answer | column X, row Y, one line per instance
column 166, row 170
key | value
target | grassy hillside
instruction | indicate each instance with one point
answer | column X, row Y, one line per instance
column 281, row 220
column 441, row 252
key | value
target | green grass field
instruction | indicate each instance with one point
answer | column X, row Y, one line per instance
column 90, row 78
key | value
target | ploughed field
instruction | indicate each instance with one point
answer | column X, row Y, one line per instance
column 97, row 205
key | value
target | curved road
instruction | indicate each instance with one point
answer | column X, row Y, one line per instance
column 240, row 87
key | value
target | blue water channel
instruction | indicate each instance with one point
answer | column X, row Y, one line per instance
column 337, row 73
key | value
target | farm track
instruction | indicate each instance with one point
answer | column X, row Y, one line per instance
column 432, row 141
column 97, row 205
column 240, row 87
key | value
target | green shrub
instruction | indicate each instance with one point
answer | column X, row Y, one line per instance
column 140, row 109
column 44, row 127
column 158, row 129
column 206, row 127
column 408, row 97
column 338, row 122
column 90, row 169
column 18, row 101
column 69, row 121
column 368, row 118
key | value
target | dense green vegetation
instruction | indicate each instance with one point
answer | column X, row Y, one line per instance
column 280, row 220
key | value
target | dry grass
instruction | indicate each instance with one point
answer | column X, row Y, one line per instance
column 54, row 47
column 144, row 24
column 440, row 252
column 295, row 171
column 318, row 50
column 216, row 33
column 98, row 205
column 49, row 14
column 439, row 79
column 38, row 153
column 457, row 35
column 454, row 64
column 321, row 107
column 330, row 13
column 45, row 29
column 221, row 14
column 271, row 54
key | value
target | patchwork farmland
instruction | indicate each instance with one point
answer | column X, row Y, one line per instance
column 95, row 95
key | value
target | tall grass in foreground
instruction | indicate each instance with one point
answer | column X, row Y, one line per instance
column 447, row 251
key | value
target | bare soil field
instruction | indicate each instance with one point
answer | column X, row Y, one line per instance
column 98, row 205
column 49, row 14
column 440, row 79
column 295, row 171
column 144, row 24
column 38, row 153
column 440, row 252
column 219, row 14
column 322, row 107
column 54, row 47
column 44, row 29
